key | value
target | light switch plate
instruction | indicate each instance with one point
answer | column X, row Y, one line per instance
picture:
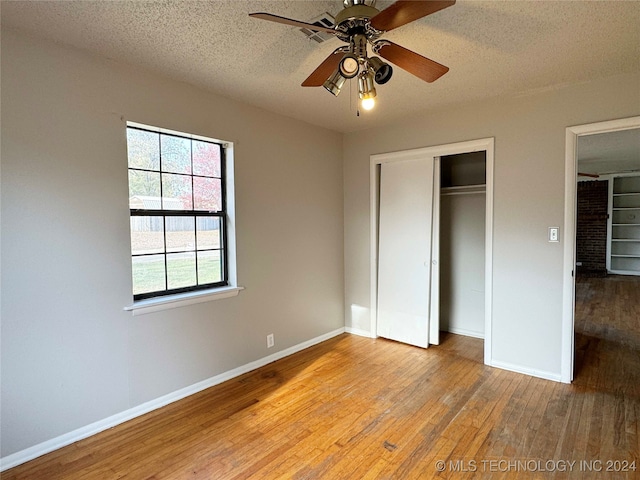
column 554, row 234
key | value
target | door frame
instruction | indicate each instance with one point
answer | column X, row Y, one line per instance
column 434, row 152
column 570, row 205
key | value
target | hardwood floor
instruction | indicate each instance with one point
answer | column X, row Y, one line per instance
column 356, row 408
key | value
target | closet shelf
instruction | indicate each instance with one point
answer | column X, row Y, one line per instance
column 624, row 238
column 463, row 190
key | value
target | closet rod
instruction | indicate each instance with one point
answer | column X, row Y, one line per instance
column 463, row 193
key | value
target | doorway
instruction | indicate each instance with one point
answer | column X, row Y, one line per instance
column 575, row 136
column 432, row 156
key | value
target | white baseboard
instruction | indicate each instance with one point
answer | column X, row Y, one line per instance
column 556, row 377
column 465, row 332
column 359, row 332
column 48, row 446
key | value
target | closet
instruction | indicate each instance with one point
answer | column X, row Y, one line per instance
column 430, row 229
column 462, row 243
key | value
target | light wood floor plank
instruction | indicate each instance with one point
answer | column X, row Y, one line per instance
column 358, row 408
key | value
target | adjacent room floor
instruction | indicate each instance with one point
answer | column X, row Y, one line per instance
column 357, row 408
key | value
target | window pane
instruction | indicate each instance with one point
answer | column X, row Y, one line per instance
column 176, row 154
column 176, row 192
column 148, row 274
column 207, row 194
column 147, row 235
column 182, row 248
column 181, row 270
column 144, row 190
column 181, row 234
column 209, row 233
column 206, row 159
column 143, row 149
column 209, row 267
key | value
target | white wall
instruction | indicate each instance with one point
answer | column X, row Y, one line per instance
column 529, row 136
column 70, row 354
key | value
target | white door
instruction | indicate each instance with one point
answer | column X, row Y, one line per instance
column 404, row 250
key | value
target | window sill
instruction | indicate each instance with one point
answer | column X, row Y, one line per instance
column 151, row 305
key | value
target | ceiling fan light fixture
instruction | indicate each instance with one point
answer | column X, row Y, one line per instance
column 366, row 90
column 349, row 66
column 334, row 83
column 383, row 71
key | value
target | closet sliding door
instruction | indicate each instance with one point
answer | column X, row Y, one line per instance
column 405, row 250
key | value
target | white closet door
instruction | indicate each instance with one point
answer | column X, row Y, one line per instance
column 404, row 250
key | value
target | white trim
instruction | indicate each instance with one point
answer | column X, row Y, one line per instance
column 43, row 448
column 527, row 371
column 374, row 192
column 465, row 332
column 488, row 252
column 168, row 131
column 156, row 304
column 484, row 144
column 570, row 179
column 359, row 332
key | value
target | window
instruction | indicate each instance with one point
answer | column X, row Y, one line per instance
column 178, row 212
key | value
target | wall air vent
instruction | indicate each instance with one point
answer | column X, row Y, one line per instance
column 324, row 20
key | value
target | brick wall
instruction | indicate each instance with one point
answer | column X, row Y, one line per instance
column 591, row 231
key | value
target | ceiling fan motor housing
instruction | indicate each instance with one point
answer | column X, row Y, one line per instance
column 353, row 27
column 355, row 19
column 351, row 3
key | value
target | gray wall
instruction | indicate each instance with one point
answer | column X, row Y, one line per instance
column 529, row 134
column 70, row 354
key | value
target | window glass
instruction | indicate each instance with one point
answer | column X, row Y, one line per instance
column 148, row 274
column 143, row 149
column 175, row 154
column 206, row 159
column 209, row 267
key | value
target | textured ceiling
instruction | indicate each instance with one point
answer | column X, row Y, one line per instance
column 493, row 48
column 610, row 152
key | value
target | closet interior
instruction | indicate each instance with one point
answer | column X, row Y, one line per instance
column 462, row 243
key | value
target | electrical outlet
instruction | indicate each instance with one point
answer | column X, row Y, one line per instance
column 554, row 234
column 270, row 340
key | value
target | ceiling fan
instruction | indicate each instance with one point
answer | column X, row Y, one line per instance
column 360, row 24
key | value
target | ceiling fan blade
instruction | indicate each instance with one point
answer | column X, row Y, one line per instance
column 289, row 21
column 406, row 11
column 325, row 69
column 416, row 64
column 592, row 175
